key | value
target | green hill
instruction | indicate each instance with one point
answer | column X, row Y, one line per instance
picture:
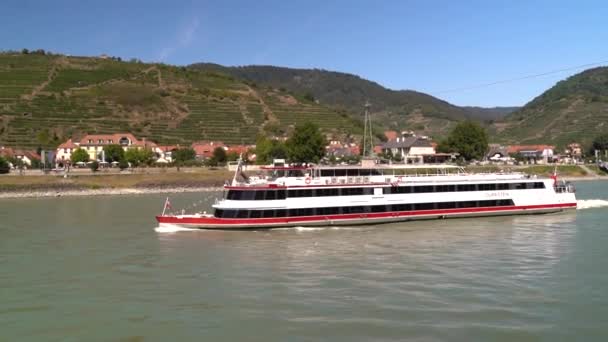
column 400, row 110
column 44, row 99
column 574, row 110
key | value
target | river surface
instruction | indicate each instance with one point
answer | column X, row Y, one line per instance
column 98, row 269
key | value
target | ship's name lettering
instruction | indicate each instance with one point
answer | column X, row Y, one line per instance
column 497, row 194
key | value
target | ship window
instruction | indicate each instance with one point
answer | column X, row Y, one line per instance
column 517, row 186
column 364, row 172
column 222, row 213
column 271, row 195
column 327, row 173
column 487, row 187
column 398, row 190
column 401, row 207
column 328, row 211
column 378, row 209
column 368, row 191
column 445, row 188
column 352, row 172
column 466, row 187
column 505, row 202
column 229, row 214
column 340, row 172
column 376, row 172
column 424, row 188
column 305, row 193
column 259, row 195
column 446, row 205
column 331, row 192
column 538, row 185
column 352, row 210
column 281, row 194
column 351, row 191
column 467, row 204
column 424, row 206
column 503, row 186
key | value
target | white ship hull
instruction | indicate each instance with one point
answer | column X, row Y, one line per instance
column 315, row 200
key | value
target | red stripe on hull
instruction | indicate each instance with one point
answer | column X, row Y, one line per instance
column 214, row 222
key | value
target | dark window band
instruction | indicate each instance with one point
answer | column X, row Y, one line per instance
column 252, row 213
column 251, row 195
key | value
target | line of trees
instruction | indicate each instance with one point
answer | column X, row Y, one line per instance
column 116, row 154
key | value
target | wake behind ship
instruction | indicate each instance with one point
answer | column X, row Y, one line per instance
column 284, row 196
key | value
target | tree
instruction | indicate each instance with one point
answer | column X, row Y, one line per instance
column 123, row 164
column 94, row 166
column 306, row 144
column 219, row 155
column 138, row 157
column 4, row 167
column 600, row 142
column 25, row 51
column 309, row 97
column 113, row 153
column 233, row 156
column 183, row 154
column 79, row 155
column 268, row 149
column 468, row 139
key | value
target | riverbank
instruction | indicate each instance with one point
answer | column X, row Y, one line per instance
column 171, row 181
column 112, row 184
column 101, row 192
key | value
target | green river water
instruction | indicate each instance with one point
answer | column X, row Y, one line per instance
column 98, row 269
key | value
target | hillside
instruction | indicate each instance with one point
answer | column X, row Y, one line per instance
column 574, row 110
column 44, row 99
column 492, row 113
column 404, row 109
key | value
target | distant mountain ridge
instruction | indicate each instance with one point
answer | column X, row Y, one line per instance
column 45, row 99
column 392, row 109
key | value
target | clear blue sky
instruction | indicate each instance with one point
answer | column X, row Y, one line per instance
column 429, row 46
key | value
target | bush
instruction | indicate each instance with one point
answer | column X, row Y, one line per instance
column 94, row 166
column 4, row 167
column 123, row 164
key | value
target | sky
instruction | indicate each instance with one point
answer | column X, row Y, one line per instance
column 443, row 48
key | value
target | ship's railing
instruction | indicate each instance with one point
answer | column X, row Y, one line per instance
column 565, row 187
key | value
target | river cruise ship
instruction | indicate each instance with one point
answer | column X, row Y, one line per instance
column 285, row 196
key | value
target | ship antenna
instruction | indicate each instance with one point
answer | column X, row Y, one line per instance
column 368, row 142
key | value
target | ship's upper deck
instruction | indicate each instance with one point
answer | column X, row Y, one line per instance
column 345, row 175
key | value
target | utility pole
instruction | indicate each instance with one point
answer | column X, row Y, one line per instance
column 368, row 141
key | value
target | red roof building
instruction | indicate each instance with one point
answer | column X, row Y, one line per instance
column 391, row 135
column 204, row 149
column 6, row 152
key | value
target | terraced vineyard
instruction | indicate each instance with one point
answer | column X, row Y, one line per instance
column 574, row 110
column 45, row 99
